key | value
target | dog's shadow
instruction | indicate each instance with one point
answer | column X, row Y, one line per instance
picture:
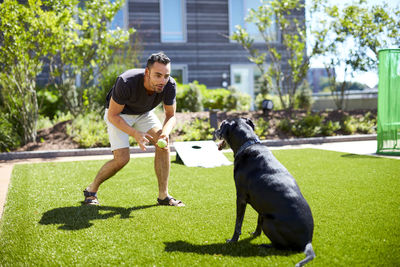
column 242, row 248
column 80, row 217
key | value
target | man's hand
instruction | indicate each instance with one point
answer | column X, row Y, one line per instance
column 142, row 139
column 166, row 138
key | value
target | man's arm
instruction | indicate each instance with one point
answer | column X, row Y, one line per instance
column 169, row 122
column 113, row 116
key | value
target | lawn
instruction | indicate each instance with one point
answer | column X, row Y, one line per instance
column 355, row 201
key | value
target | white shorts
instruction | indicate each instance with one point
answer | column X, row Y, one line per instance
column 143, row 123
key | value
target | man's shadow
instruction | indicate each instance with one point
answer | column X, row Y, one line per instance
column 242, row 248
column 80, row 217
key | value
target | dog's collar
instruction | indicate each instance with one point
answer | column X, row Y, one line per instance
column 247, row 144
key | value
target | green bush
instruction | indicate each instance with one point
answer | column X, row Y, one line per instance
column 308, row 126
column 329, row 128
column 10, row 133
column 285, row 125
column 365, row 124
column 348, row 125
column 49, row 102
column 303, row 99
column 194, row 97
column 214, row 98
column 237, row 100
column 46, row 122
column 188, row 98
column 89, row 130
column 261, row 127
column 106, row 82
column 195, row 130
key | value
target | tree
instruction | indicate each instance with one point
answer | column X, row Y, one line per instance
column 351, row 37
column 70, row 35
column 23, row 44
column 372, row 28
column 90, row 45
column 286, row 71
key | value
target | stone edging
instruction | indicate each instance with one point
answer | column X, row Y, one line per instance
column 150, row 149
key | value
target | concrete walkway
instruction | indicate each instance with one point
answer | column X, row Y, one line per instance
column 353, row 147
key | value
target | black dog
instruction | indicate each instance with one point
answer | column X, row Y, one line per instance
column 263, row 182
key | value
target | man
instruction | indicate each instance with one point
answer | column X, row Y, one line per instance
column 129, row 112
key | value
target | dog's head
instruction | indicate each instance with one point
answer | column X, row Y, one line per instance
column 234, row 132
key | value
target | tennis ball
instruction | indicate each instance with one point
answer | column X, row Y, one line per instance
column 161, row 143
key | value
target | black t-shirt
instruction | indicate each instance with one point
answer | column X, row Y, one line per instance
column 129, row 90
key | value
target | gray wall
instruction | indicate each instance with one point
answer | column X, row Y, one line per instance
column 353, row 101
column 207, row 52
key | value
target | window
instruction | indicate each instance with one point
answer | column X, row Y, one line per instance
column 239, row 10
column 120, row 19
column 179, row 73
column 173, row 20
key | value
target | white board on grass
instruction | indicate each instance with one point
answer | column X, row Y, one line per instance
column 200, row 154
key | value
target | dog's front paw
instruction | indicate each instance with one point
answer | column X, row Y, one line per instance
column 256, row 234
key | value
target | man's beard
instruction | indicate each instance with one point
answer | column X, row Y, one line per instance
column 158, row 89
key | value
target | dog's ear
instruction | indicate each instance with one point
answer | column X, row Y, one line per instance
column 249, row 122
column 224, row 129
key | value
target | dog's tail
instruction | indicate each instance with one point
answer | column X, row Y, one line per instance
column 310, row 255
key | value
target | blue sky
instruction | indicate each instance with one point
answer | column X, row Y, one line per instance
column 369, row 78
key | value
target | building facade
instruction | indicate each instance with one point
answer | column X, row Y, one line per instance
column 195, row 35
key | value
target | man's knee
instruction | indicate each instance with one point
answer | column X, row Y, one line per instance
column 121, row 157
column 121, row 162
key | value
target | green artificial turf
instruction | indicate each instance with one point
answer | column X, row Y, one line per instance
column 355, row 201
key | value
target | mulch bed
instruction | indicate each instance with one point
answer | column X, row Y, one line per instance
column 56, row 138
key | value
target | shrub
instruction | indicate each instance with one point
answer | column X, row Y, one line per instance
column 188, row 98
column 46, row 122
column 285, row 125
column 347, row 125
column 303, row 99
column 365, row 124
column 194, row 97
column 195, row 130
column 49, row 101
column 308, row 126
column 329, row 128
column 237, row 100
column 89, row 130
column 214, row 98
column 10, row 133
column 261, row 127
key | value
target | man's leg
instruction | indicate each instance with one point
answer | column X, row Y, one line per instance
column 162, row 164
column 121, row 158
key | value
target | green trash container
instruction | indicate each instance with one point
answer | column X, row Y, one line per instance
column 388, row 128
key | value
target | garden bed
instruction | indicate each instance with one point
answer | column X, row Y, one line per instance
column 56, row 137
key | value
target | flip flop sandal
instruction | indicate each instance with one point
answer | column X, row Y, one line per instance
column 90, row 198
column 167, row 202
